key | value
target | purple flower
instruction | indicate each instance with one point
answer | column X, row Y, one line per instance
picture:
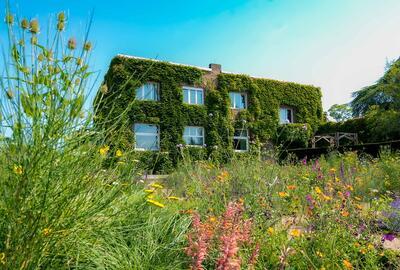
column 304, row 161
column 347, row 194
column 310, row 201
column 396, row 203
column 388, row 237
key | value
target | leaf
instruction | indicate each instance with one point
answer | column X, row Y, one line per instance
column 27, row 105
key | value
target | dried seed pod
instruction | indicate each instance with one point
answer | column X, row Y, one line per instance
column 34, row 40
column 24, row 24
column 72, row 44
column 34, row 26
column 10, row 94
column 88, row 46
column 9, row 19
column 61, row 16
column 60, row 26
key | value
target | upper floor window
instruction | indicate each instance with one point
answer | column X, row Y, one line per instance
column 285, row 115
column 241, row 140
column 238, row 100
column 193, row 135
column 147, row 137
column 192, row 95
column 148, row 91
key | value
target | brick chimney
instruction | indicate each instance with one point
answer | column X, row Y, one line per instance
column 215, row 68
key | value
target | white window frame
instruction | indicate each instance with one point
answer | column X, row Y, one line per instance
column 203, row 137
column 291, row 114
column 190, row 88
column 234, row 99
column 142, row 92
column 241, row 138
column 147, row 134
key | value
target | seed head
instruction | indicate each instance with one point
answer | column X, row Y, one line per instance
column 79, row 61
column 40, row 57
column 9, row 19
column 34, row 26
column 104, row 89
column 61, row 16
column 72, row 44
column 24, row 24
column 21, row 42
column 60, row 26
column 88, row 46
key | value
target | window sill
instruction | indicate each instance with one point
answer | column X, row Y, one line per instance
column 146, row 150
column 241, row 151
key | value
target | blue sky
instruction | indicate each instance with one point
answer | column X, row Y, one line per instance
column 339, row 45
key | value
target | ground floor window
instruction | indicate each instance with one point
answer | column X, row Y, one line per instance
column 147, row 137
column 241, row 140
column 193, row 136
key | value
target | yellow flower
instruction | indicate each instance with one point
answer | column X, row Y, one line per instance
column 347, row 264
column 291, row 187
column 359, row 206
column 350, row 187
column 370, row 246
column 118, row 153
column 320, row 254
column 155, row 203
column 283, row 194
column 318, row 190
column 356, row 244
column 155, row 185
column 344, row 213
column 149, row 190
column 332, row 170
column 363, row 251
column 270, row 231
column 326, row 198
column 150, row 196
column 357, row 198
column 104, row 150
column 18, row 169
column 212, row 219
column 174, row 198
column 46, row 231
column 295, row 233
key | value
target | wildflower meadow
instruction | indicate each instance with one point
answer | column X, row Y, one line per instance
column 71, row 200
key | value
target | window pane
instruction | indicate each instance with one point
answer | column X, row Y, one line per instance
column 185, row 95
column 196, row 141
column 243, row 101
column 240, row 133
column 139, row 93
column 187, row 139
column 199, row 131
column 232, row 99
column 238, row 101
column 240, row 144
column 289, row 115
column 282, row 115
column 186, row 131
column 147, row 142
column 148, row 91
column 199, row 97
column 143, row 128
column 192, row 94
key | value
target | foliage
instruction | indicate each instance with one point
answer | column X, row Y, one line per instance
column 261, row 118
column 340, row 112
column 385, row 93
column 293, row 136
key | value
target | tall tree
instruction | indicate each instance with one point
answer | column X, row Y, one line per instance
column 385, row 93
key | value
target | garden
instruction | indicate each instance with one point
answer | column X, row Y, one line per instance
column 69, row 200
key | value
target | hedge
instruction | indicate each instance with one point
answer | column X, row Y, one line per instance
column 116, row 98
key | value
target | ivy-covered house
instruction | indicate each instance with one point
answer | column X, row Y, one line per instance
column 171, row 111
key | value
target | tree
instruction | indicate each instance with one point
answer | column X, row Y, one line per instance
column 385, row 94
column 340, row 112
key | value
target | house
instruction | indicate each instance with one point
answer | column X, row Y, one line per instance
column 174, row 110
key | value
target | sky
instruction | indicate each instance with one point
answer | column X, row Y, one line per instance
column 338, row 45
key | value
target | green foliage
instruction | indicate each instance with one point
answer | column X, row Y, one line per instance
column 385, row 93
column 261, row 118
column 293, row 136
column 383, row 125
column 340, row 112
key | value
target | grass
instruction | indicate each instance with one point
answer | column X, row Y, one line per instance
column 69, row 201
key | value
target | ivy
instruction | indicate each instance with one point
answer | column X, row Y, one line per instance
column 172, row 115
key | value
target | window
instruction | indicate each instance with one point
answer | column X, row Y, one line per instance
column 193, row 136
column 148, row 91
column 192, row 95
column 147, row 137
column 285, row 115
column 238, row 100
column 241, row 140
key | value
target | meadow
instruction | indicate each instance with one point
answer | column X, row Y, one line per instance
column 69, row 200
